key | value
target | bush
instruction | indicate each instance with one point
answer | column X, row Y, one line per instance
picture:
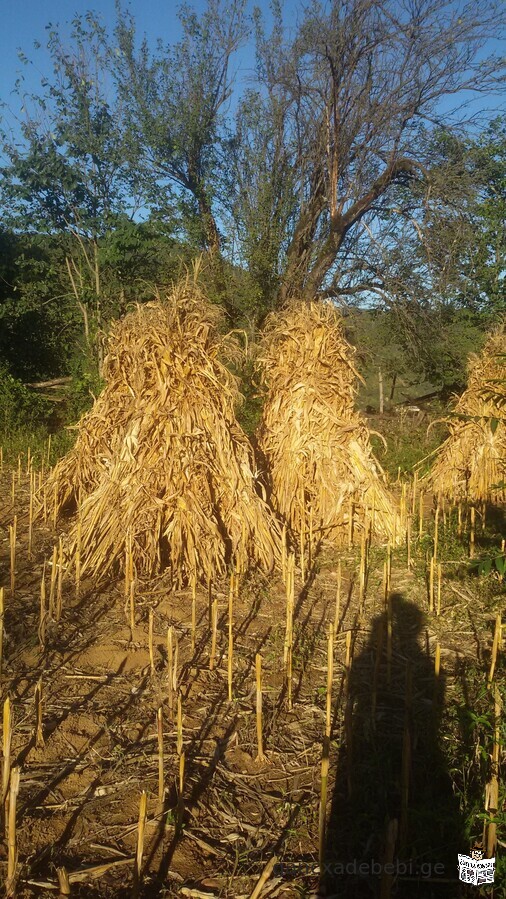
column 20, row 408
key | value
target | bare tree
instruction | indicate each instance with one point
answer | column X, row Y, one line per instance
column 362, row 85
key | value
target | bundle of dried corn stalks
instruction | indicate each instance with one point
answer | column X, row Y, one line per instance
column 160, row 458
column 471, row 463
column 315, row 443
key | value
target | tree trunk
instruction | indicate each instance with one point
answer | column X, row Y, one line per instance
column 309, row 264
column 301, row 248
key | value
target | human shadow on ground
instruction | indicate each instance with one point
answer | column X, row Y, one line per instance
column 393, row 803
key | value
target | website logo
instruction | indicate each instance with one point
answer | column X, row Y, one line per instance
column 475, row 869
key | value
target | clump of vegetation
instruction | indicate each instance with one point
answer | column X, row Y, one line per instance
column 407, row 441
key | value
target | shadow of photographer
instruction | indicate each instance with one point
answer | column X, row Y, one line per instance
column 394, row 828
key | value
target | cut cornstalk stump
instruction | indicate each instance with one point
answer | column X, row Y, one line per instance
column 194, row 613
column 492, row 789
column 12, row 545
column 150, row 644
column 413, row 495
column 260, row 741
column 283, row 554
column 495, row 648
column 180, row 795
column 264, row 877
column 6, row 752
column 362, row 570
column 437, row 661
column 337, row 613
column 55, row 505
column 303, row 547
column 30, row 514
column 170, row 669
column 431, row 584
column 214, row 633
column 52, row 583
column 12, row 856
column 230, row 654
column 2, row 613
column 132, row 610
column 59, row 583
column 437, row 678
column 141, row 827
column 161, row 775
column 78, row 556
column 179, row 743
column 39, row 733
column 472, row 534
column 347, row 660
column 436, row 528
column 43, row 609
column 63, row 881
column 322, row 817
column 182, row 759
column 288, row 645
column 128, row 556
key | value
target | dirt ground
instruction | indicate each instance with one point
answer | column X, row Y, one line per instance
column 80, row 788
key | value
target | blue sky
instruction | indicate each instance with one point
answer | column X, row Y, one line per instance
column 24, row 21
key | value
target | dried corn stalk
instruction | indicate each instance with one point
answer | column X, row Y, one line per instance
column 315, row 443
column 471, row 464
column 161, row 457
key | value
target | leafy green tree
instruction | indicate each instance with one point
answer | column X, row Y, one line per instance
column 460, row 247
column 39, row 322
column 175, row 99
column 137, row 258
column 73, row 173
column 485, row 260
column 261, row 185
column 419, row 349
